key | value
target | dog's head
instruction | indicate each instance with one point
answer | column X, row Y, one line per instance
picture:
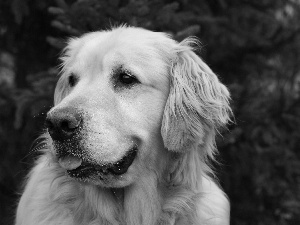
column 126, row 99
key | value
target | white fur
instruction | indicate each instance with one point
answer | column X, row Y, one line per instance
column 174, row 113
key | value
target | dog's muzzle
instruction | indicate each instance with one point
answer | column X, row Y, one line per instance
column 64, row 127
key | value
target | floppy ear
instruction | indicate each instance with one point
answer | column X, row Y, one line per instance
column 198, row 103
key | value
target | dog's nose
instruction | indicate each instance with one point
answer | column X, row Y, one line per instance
column 63, row 123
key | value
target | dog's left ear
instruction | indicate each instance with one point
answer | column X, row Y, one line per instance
column 61, row 89
column 197, row 104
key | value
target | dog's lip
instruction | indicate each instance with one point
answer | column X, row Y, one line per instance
column 122, row 165
column 85, row 169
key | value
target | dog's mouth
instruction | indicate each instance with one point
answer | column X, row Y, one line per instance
column 78, row 168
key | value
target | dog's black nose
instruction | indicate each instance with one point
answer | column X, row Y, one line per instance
column 63, row 123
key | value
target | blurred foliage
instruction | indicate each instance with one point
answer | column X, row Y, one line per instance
column 253, row 45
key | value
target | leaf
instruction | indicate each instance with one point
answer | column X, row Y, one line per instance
column 19, row 9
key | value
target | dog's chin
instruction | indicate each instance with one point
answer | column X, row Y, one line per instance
column 108, row 175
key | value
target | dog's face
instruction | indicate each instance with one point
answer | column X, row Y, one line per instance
column 118, row 106
column 106, row 127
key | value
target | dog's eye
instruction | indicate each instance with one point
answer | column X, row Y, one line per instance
column 72, row 79
column 127, row 79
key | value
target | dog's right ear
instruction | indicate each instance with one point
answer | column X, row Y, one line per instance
column 198, row 103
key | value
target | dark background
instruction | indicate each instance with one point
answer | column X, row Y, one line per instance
column 253, row 45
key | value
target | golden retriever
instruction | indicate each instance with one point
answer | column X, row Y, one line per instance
column 130, row 137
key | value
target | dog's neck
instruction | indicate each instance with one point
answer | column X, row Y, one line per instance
column 153, row 199
column 161, row 199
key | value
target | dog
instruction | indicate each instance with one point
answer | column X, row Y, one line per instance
column 131, row 136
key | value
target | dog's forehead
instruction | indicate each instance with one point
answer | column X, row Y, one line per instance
column 131, row 46
column 131, row 39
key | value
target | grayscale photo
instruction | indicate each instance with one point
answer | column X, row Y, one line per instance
column 149, row 112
